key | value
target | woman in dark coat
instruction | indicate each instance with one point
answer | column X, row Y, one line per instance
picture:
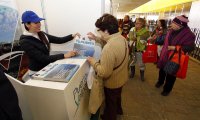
column 179, row 35
column 36, row 43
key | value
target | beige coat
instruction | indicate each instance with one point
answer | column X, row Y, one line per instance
column 112, row 55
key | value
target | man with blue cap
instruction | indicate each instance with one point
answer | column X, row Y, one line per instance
column 36, row 43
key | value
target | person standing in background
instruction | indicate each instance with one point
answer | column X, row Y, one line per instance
column 9, row 104
column 161, row 29
column 126, row 26
column 179, row 35
column 159, row 34
column 36, row 43
column 138, row 36
column 120, row 21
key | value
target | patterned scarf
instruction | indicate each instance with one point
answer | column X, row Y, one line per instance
column 140, row 46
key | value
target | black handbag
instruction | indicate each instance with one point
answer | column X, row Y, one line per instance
column 171, row 68
column 173, row 64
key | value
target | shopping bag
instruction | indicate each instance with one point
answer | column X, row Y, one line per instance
column 150, row 54
column 183, row 66
column 96, row 94
column 173, row 64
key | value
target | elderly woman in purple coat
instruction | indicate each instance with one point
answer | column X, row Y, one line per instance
column 178, row 35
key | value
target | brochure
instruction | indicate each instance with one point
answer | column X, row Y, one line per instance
column 85, row 48
column 57, row 72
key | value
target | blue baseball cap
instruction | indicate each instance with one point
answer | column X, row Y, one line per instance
column 30, row 16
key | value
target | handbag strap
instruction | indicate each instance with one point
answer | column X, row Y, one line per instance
column 124, row 57
column 122, row 60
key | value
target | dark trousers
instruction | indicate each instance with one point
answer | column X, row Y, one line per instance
column 9, row 105
column 168, row 79
column 112, row 103
column 10, row 116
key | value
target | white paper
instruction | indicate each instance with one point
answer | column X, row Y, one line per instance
column 90, row 78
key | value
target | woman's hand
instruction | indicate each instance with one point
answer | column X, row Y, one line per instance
column 91, row 36
column 90, row 60
column 76, row 34
column 171, row 47
column 70, row 54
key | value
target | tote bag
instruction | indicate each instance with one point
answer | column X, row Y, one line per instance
column 96, row 94
column 150, row 54
column 183, row 66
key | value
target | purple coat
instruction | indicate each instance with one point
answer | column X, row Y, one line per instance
column 185, row 38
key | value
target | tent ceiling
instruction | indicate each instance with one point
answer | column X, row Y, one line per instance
column 127, row 5
column 159, row 5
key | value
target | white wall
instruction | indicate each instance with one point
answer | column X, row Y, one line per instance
column 194, row 16
column 70, row 16
column 65, row 16
column 120, row 15
column 107, row 8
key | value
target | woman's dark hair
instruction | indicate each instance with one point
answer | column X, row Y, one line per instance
column 26, row 26
column 107, row 22
column 163, row 23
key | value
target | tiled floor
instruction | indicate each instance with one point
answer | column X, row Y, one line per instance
column 142, row 101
